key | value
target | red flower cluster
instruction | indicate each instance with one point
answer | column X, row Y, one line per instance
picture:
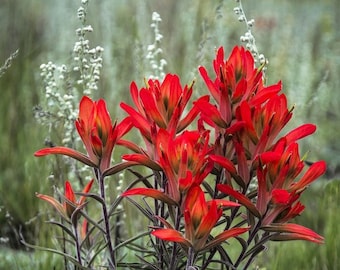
column 97, row 132
column 247, row 166
column 247, row 117
column 200, row 217
column 160, row 105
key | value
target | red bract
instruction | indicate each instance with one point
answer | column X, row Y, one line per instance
column 247, row 116
column 161, row 104
column 200, row 217
column 262, row 123
column 183, row 158
column 70, row 204
column 289, row 231
column 278, row 187
column 97, row 132
column 237, row 80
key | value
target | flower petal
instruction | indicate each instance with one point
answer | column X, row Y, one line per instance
column 211, row 111
column 69, row 194
column 208, row 221
column 211, row 86
column 223, row 203
column 86, row 107
column 315, row 170
column 280, row 196
column 296, row 236
column 224, row 162
column 300, row 132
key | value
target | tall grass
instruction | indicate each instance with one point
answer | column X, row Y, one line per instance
column 301, row 39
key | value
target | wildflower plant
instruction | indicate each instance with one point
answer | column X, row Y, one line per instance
column 220, row 178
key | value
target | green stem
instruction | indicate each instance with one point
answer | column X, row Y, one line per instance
column 112, row 259
column 159, row 211
column 191, row 259
column 78, row 250
column 252, row 235
column 174, row 248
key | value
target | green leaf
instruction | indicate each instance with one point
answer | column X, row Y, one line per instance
column 65, row 255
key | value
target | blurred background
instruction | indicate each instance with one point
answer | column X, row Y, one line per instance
column 301, row 40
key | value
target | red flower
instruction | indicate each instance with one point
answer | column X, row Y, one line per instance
column 200, row 217
column 70, row 204
column 237, row 80
column 97, row 132
column 278, row 187
column 160, row 104
column 262, row 123
column 247, row 116
column 183, row 158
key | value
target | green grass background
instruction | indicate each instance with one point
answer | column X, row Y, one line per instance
column 301, row 39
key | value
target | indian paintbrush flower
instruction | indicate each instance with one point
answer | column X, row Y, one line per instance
column 97, row 132
column 278, row 187
column 200, row 217
column 248, row 169
column 237, row 80
column 161, row 104
column 183, row 158
column 70, row 203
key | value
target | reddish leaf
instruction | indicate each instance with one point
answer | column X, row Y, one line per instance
column 150, row 192
column 171, row 235
column 224, row 236
column 242, row 199
column 294, row 232
column 67, row 152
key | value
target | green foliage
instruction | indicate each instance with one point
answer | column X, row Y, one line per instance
column 18, row 260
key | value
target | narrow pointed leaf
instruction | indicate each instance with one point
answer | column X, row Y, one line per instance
column 130, row 240
column 57, row 205
column 171, row 235
column 65, row 255
column 142, row 159
column 224, row 236
column 60, row 150
column 242, row 199
column 64, row 228
column 296, row 230
column 150, row 192
column 119, row 167
column 296, row 236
